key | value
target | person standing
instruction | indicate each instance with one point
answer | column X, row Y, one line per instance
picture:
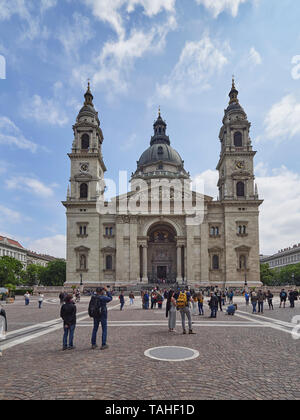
column 182, row 304
column 219, row 296
column 171, row 310
column 213, row 304
column 131, row 298
column 159, row 299
column 194, row 302
column 292, row 299
column 247, row 298
column 27, row 298
column 283, row 298
column 200, row 303
column 230, row 296
column 98, row 311
column 3, row 325
column 62, row 297
column 153, row 300
column 260, row 300
column 254, row 301
column 270, row 300
column 41, row 300
column 122, row 301
column 68, row 314
column 146, row 300
column 223, row 298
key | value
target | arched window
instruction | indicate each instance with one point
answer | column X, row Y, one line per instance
column 108, row 262
column 160, row 150
column 84, row 191
column 85, row 141
column 238, row 139
column 215, row 262
column 240, row 189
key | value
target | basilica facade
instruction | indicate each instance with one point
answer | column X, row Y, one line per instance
column 161, row 231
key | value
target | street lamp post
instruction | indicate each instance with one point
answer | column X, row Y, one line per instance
column 246, row 282
column 81, row 281
column 293, row 279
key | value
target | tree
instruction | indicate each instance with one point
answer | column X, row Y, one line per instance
column 54, row 274
column 10, row 271
column 32, row 275
column 267, row 276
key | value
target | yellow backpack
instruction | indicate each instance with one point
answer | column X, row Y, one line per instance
column 181, row 301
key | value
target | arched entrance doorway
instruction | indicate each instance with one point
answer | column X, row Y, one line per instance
column 162, row 254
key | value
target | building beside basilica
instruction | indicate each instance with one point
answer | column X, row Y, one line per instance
column 161, row 231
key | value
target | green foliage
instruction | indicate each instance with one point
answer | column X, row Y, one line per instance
column 266, row 275
column 54, row 274
column 10, row 271
column 32, row 275
column 11, row 288
column 289, row 275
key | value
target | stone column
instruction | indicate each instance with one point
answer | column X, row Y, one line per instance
column 119, row 250
column 189, row 254
column 145, row 264
column 204, row 254
column 179, row 265
column 134, row 254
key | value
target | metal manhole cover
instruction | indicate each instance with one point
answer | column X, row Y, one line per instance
column 172, row 354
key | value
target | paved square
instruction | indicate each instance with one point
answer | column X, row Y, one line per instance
column 242, row 357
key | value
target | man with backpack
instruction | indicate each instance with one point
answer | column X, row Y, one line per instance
column 283, row 298
column 98, row 311
column 183, row 301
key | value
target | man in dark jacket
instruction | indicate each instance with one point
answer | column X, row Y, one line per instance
column 213, row 304
column 68, row 314
column 98, row 311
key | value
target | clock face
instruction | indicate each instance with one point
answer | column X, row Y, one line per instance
column 240, row 165
column 84, row 167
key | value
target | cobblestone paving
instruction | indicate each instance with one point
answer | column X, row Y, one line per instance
column 235, row 362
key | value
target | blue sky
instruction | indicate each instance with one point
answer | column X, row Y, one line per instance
column 139, row 54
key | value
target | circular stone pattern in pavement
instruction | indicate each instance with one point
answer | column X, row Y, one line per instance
column 172, row 354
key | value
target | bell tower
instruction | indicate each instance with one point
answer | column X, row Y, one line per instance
column 236, row 170
column 85, row 190
column 87, row 166
column 238, row 197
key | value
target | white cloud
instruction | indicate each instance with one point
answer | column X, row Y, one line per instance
column 218, row 6
column 296, row 69
column 111, row 11
column 73, row 36
column 209, row 179
column 255, row 57
column 198, row 62
column 11, row 135
column 9, row 216
column 30, row 185
column 47, row 111
column 117, row 57
column 54, row 246
column 47, row 4
column 283, row 120
column 280, row 212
